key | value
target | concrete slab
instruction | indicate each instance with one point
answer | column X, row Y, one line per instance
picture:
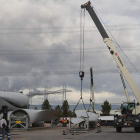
column 56, row 133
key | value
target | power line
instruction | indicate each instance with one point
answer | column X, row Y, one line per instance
column 68, row 27
column 72, row 72
column 62, row 2
column 55, row 30
column 62, row 49
column 41, row 52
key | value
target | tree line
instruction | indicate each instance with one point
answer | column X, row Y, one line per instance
column 62, row 111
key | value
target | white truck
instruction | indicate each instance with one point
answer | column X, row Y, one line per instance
column 130, row 110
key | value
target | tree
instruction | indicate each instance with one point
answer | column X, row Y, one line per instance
column 65, row 109
column 36, row 108
column 58, row 111
column 106, row 107
column 71, row 113
column 46, row 105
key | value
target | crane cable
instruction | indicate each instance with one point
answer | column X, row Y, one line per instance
column 81, row 73
column 80, row 36
column 82, row 42
column 83, row 39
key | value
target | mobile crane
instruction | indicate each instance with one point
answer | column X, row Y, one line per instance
column 130, row 110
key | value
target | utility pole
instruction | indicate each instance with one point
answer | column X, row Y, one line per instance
column 92, row 89
column 64, row 93
column 46, row 95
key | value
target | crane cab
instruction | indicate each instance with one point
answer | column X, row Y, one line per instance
column 127, row 107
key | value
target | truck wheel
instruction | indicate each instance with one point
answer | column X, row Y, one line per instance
column 137, row 129
column 118, row 129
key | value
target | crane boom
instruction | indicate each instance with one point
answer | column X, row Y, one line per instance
column 124, row 86
column 112, row 49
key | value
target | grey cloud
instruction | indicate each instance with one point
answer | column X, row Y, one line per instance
column 52, row 56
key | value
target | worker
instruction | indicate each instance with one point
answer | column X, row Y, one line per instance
column 63, row 122
column 66, row 122
column 7, row 127
column 3, row 125
column 98, row 126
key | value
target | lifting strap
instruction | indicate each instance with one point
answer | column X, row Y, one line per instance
column 81, row 98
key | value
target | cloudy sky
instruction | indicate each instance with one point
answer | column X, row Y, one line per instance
column 40, row 43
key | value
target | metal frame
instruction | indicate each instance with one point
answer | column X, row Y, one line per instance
column 23, row 124
column 73, row 129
